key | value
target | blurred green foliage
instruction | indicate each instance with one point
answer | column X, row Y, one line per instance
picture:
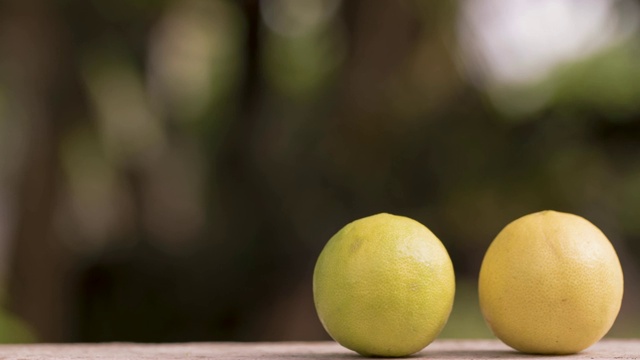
column 466, row 320
column 14, row 331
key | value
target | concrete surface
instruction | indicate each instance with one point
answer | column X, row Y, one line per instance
column 440, row 349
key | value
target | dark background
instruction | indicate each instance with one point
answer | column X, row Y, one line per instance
column 171, row 169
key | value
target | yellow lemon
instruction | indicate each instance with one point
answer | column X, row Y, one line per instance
column 384, row 286
column 550, row 283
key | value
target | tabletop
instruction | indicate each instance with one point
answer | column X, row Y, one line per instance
column 440, row 349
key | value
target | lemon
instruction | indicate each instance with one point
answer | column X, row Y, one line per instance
column 550, row 283
column 384, row 286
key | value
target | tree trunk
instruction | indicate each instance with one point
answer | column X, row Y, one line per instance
column 37, row 77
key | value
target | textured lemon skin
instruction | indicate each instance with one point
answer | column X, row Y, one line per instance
column 550, row 283
column 384, row 286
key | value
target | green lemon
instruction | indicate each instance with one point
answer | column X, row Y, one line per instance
column 384, row 286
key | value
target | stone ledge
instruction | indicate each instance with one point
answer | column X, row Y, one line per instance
column 440, row 349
